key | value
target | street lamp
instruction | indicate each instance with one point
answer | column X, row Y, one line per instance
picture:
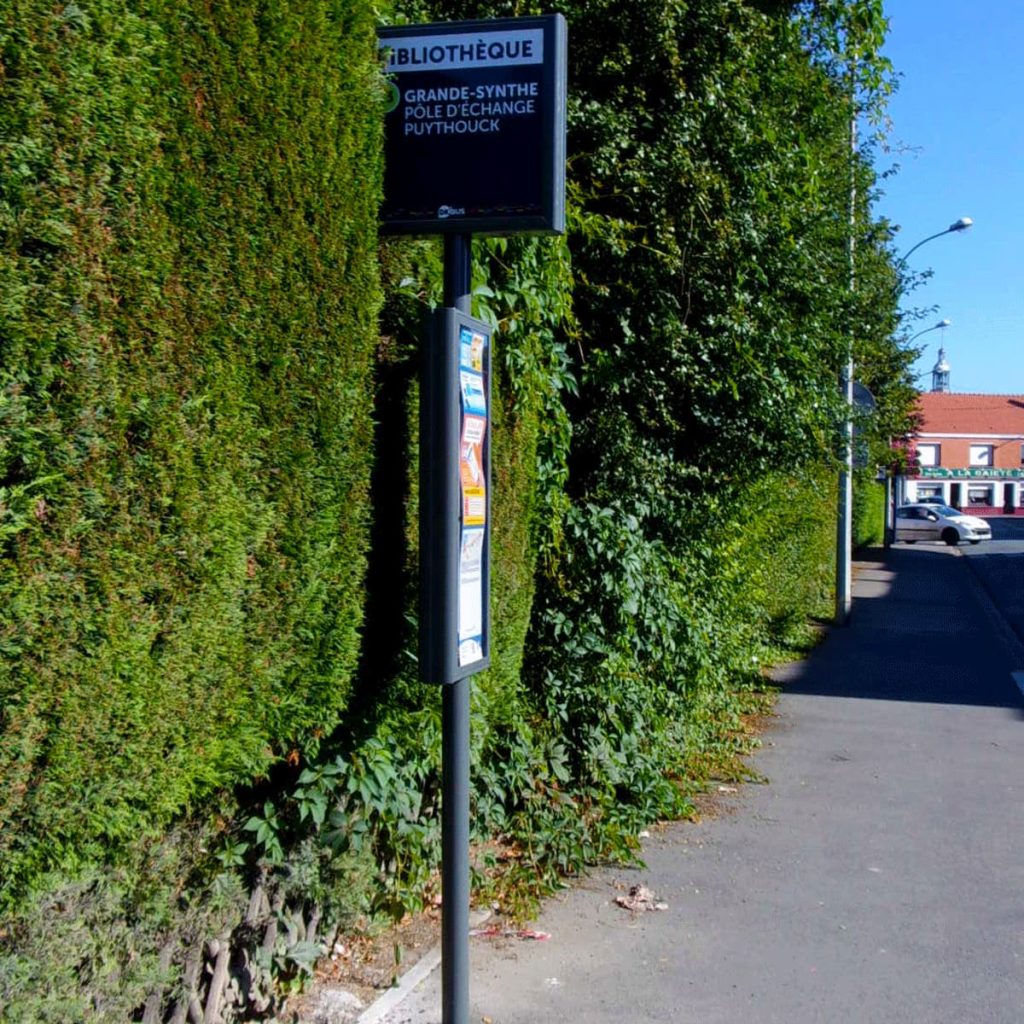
column 844, row 520
column 937, row 383
column 958, row 225
column 940, row 324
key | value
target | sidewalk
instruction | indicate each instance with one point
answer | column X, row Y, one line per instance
column 878, row 877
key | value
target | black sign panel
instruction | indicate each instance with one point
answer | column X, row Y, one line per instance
column 475, row 137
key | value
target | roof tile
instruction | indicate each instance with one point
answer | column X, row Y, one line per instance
column 948, row 413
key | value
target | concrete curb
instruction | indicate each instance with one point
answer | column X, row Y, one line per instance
column 395, row 996
column 339, row 1005
column 419, row 972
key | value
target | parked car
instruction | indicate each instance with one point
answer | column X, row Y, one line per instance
column 925, row 521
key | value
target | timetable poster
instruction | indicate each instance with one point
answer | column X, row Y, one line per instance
column 473, row 484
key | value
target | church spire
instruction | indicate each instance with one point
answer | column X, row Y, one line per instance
column 940, row 373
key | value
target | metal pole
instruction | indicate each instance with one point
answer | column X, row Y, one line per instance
column 938, row 234
column 844, row 519
column 844, row 526
column 455, row 754
column 455, row 854
column 457, row 287
column 888, row 525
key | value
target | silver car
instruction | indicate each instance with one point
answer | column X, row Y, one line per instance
column 925, row 521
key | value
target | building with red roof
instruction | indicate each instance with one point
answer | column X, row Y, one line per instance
column 971, row 452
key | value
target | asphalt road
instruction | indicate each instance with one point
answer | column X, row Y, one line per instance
column 877, row 877
column 999, row 567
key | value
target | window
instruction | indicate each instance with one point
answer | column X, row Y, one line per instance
column 1022, row 454
column 979, row 495
column 929, row 491
column 981, row 455
column 929, row 454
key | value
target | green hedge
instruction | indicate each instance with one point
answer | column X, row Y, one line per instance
column 187, row 324
column 204, row 443
column 868, row 511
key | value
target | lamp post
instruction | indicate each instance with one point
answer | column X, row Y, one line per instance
column 844, row 517
column 890, row 496
column 958, row 225
column 844, row 523
column 939, row 383
column 940, row 325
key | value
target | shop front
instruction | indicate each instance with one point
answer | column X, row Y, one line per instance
column 990, row 492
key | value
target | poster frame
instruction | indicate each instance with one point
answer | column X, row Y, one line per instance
column 443, row 526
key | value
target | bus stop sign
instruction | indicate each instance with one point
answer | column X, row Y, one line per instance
column 475, row 133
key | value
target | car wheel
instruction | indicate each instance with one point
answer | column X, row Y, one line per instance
column 951, row 537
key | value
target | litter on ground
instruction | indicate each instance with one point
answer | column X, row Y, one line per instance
column 640, row 897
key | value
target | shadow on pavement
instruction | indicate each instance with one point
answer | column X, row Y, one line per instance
column 918, row 632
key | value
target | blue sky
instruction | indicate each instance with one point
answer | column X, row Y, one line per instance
column 958, row 140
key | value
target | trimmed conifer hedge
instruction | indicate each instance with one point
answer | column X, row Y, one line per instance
column 188, row 301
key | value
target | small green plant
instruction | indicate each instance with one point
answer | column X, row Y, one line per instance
column 266, row 830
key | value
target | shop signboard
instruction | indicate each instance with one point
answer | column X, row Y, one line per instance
column 974, row 473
